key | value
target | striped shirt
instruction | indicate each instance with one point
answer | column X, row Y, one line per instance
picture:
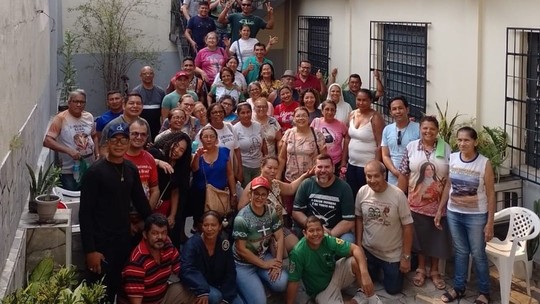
column 143, row 276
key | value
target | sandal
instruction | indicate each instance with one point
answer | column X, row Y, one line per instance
column 437, row 280
column 452, row 295
column 481, row 298
column 419, row 278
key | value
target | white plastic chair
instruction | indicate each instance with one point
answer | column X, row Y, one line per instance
column 524, row 225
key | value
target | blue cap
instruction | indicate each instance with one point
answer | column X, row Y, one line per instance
column 119, row 128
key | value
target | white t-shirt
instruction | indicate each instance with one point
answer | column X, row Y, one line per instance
column 250, row 140
column 243, row 48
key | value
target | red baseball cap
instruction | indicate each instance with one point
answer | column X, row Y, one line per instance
column 180, row 74
column 260, row 181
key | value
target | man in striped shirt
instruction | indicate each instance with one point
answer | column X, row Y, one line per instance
column 147, row 275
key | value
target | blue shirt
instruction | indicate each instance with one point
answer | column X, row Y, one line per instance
column 390, row 139
column 215, row 174
column 104, row 119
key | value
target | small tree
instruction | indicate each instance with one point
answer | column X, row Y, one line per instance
column 107, row 36
column 68, row 49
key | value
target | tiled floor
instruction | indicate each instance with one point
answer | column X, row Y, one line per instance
column 429, row 294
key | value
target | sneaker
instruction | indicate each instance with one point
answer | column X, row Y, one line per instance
column 374, row 299
column 360, row 298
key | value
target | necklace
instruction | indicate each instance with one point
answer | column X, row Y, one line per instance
column 120, row 172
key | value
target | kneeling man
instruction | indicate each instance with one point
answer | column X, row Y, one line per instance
column 384, row 227
column 147, row 276
column 313, row 260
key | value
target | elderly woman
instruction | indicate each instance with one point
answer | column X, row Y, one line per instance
column 252, row 144
column 365, row 129
column 211, row 59
column 255, row 226
column 226, row 87
column 190, row 125
column 229, row 105
column 199, row 112
column 423, row 175
column 210, row 164
column 336, row 136
column 239, row 79
column 471, row 208
column 343, row 109
column 284, row 111
column 174, row 149
column 254, row 90
column 300, row 146
column 271, row 129
column 176, row 121
column 310, row 99
column 208, row 268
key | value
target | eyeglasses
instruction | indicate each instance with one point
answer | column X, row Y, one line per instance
column 138, row 134
column 226, row 104
column 80, row 102
column 399, row 138
column 116, row 140
column 190, row 105
column 260, row 194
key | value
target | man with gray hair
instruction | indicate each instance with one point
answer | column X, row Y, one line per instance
column 72, row 134
column 384, row 228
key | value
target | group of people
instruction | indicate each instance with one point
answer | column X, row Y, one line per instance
column 325, row 195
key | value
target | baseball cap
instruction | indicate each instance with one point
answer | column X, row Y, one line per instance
column 180, row 74
column 260, row 181
column 119, row 128
column 288, row 73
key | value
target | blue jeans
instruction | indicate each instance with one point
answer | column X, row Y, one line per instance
column 215, row 297
column 392, row 276
column 250, row 280
column 355, row 177
column 468, row 234
column 68, row 182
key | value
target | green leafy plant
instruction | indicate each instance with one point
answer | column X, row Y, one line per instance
column 533, row 244
column 44, row 181
column 47, row 286
column 68, row 49
column 105, row 33
column 446, row 124
column 492, row 144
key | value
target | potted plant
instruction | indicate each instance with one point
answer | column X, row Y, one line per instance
column 42, row 200
column 492, row 144
column 45, row 285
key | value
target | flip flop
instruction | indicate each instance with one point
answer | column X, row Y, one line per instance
column 437, row 280
column 452, row 295
column 481, row 298
column 419, row 278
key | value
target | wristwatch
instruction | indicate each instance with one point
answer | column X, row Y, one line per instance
column 406, row 257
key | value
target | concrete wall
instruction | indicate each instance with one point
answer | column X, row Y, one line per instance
column 28, row 52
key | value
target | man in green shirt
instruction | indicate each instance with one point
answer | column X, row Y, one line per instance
column 313, row 260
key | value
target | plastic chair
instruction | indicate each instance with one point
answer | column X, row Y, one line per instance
column 524, row 225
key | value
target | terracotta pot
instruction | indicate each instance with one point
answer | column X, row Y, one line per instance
column 46, row 209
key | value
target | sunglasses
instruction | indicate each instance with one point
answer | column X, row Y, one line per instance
column 399, row 138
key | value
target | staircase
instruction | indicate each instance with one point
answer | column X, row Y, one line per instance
column 178, row 23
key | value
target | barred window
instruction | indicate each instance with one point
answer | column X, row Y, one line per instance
column 313, row 41
column 399, row 51
column 522, row 101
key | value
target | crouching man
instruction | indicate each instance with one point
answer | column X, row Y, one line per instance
column 313, row 260
column 384, row 228
column 147, row 275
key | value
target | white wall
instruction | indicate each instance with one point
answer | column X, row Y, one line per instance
column 27, row 49
column 466, row 45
